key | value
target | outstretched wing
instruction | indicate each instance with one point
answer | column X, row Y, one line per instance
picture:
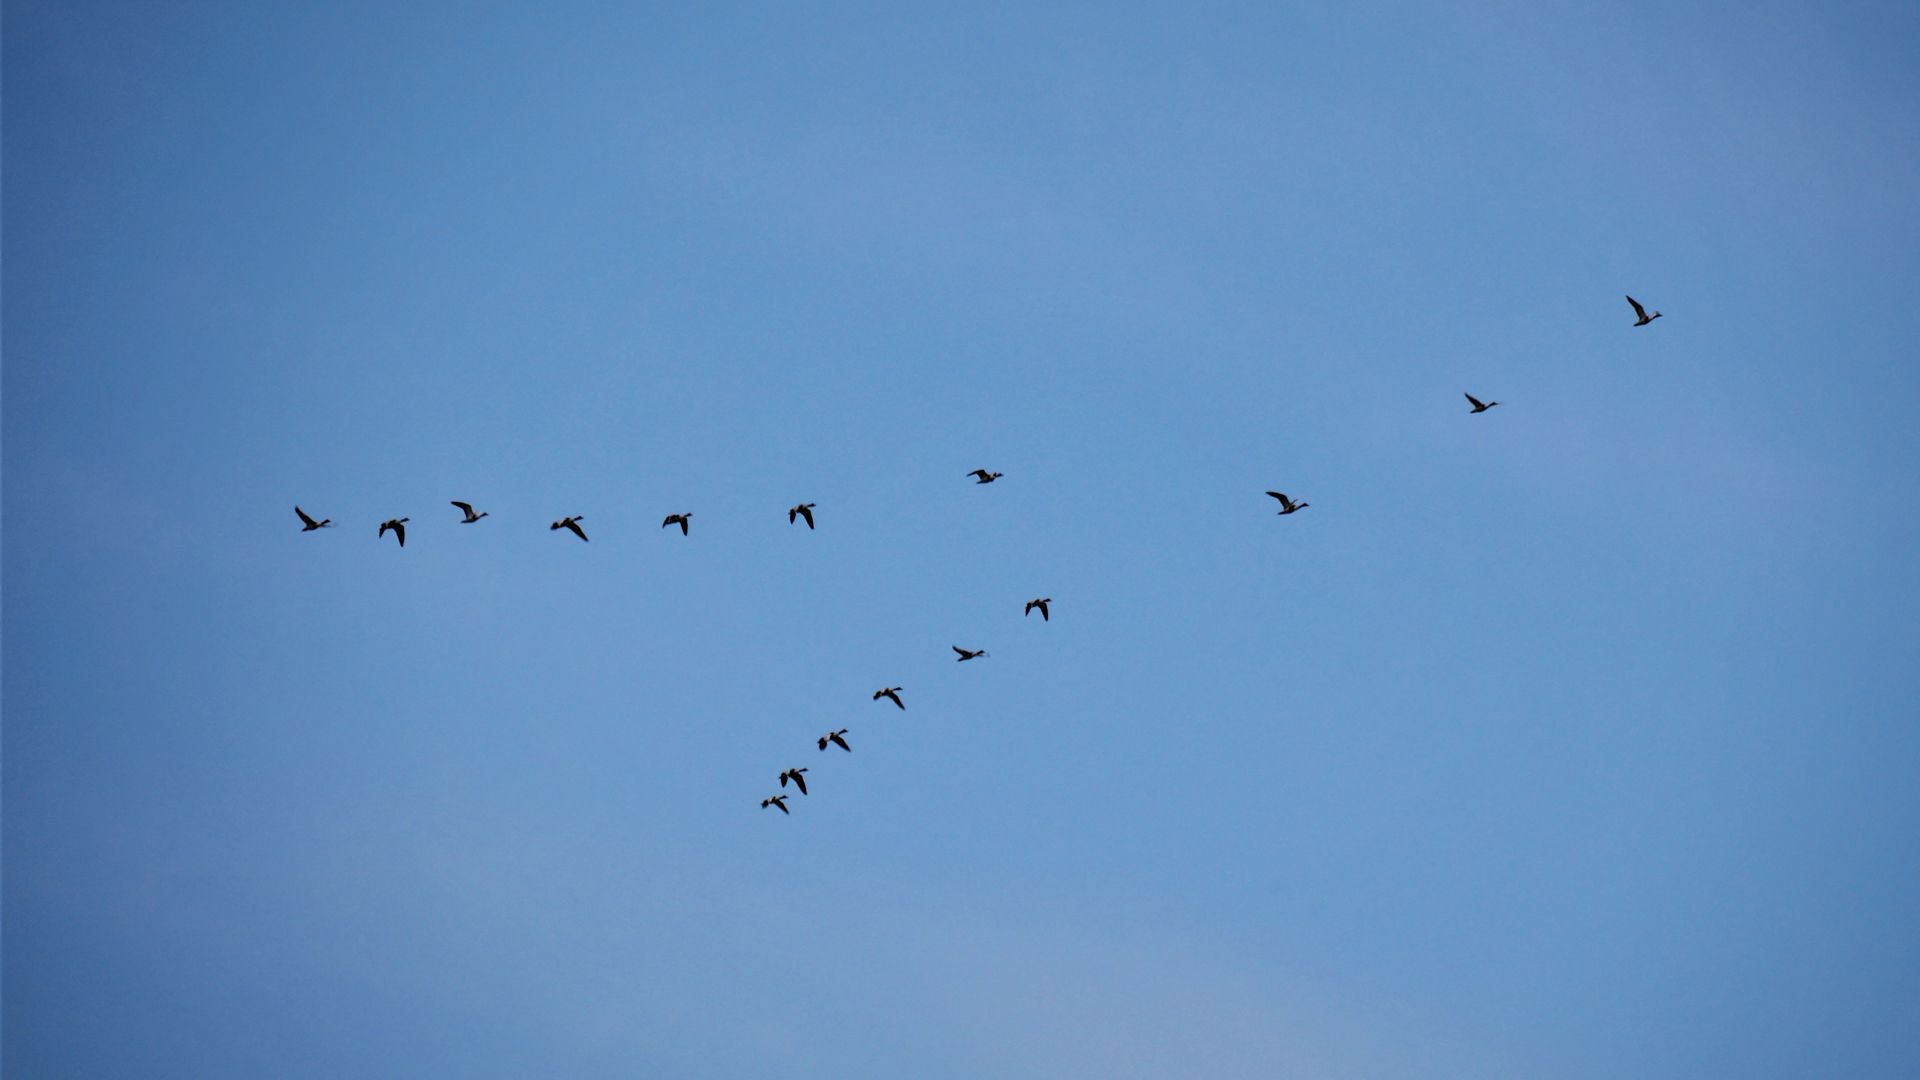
column 683, row 524
column 1474, row 401
column 1637, row 309
column 1283, row 499
column 840, row 742
column 961, row 651
column 805, row 512
column 1044, row 617
column 465, row 508
column 791, row 514
column 574, row 527
column 800, row 782
column 311, row 524
column 400, row 531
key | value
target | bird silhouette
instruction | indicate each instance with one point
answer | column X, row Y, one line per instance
column 399, row 527
column 677, row 519
column 891, row 693
column 1642, row 312
column 311, row 524
column 779, row 801
column 985, row 476
column 1287, row 506
column 467, row 509
column 804, row 510
column 968, row 654
column 1478, row 406
column 798, row 780
column 572, row 523
column 1042, row 605
column 834, row 738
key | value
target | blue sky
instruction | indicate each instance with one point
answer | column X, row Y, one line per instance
column 1573, row 739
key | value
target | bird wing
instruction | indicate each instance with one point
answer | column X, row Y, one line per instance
column 791, row 514
column 465, row 508
column 1474, row 401
column 806, row 512
column 303, row 517
column 1277, row 495
column 963, row 653
column 896, row 699
column 400, row 531
column 840, row 742
column 683, row 524
column 800, row 782
column 1637, row 309
column 576, row 529
column 1044, row 617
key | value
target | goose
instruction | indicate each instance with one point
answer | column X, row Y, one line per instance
column 677, row 519
column 399, row 527
column 985, row 476
column 1042, row 605
column 1642, row 312
column 804, row 510
column 311, row 524
column 1288, row 506
column 891, row 693
column 798, row 780
column 779, row 801
column 967, row 654
column 570, row 523
column 467, row 509
column 1478, row 406
column 834, row 738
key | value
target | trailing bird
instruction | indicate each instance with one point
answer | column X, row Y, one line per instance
column 804, row 510
column 798, row 780
column 834, row 738
column 776, row 800
column 310, row 523
column 467, row 509
column 967, row 654
column 985, row 476
column 891, row 693
column 677, row 519
column 1642, row 312
column 399, row 527
column 1478, row 406
column 570, row 523
column 1042, row 605
column 1288, row 506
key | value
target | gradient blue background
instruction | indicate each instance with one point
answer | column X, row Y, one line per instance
column 1575, row 739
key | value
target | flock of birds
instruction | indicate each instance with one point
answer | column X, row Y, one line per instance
column 796, row 776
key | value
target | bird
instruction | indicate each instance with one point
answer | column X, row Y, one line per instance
column 967, row 654
column 834, row 738
column 467, row 509
column 1642, row 312
column 775, row 800
column 1288, row 506
column 798, row 780
column 985, row 476
column 570, row 523
column 677, row 519
column 310, row 523
column 1478, row 405
column 1042, row 605
column 804, row 510
column 891, row 693
column 399, row 527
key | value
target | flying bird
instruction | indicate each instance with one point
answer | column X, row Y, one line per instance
column 798, row 780
column 891, row 693
column 467, row 509
column 967, row 654
column 1288, row 506
column 311, row 524
column 776, row 800
column 1478, row 405
column 1642, row 312
column 677, row 519
column 985, row 476
column 399, row 527
column 570, row 523
column 804, row 510
column 1042, row 605
column 834, row 738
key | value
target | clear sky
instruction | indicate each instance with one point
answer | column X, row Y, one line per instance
column 1574, row 739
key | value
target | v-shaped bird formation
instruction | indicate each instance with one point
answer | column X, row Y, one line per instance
column 805, row 512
